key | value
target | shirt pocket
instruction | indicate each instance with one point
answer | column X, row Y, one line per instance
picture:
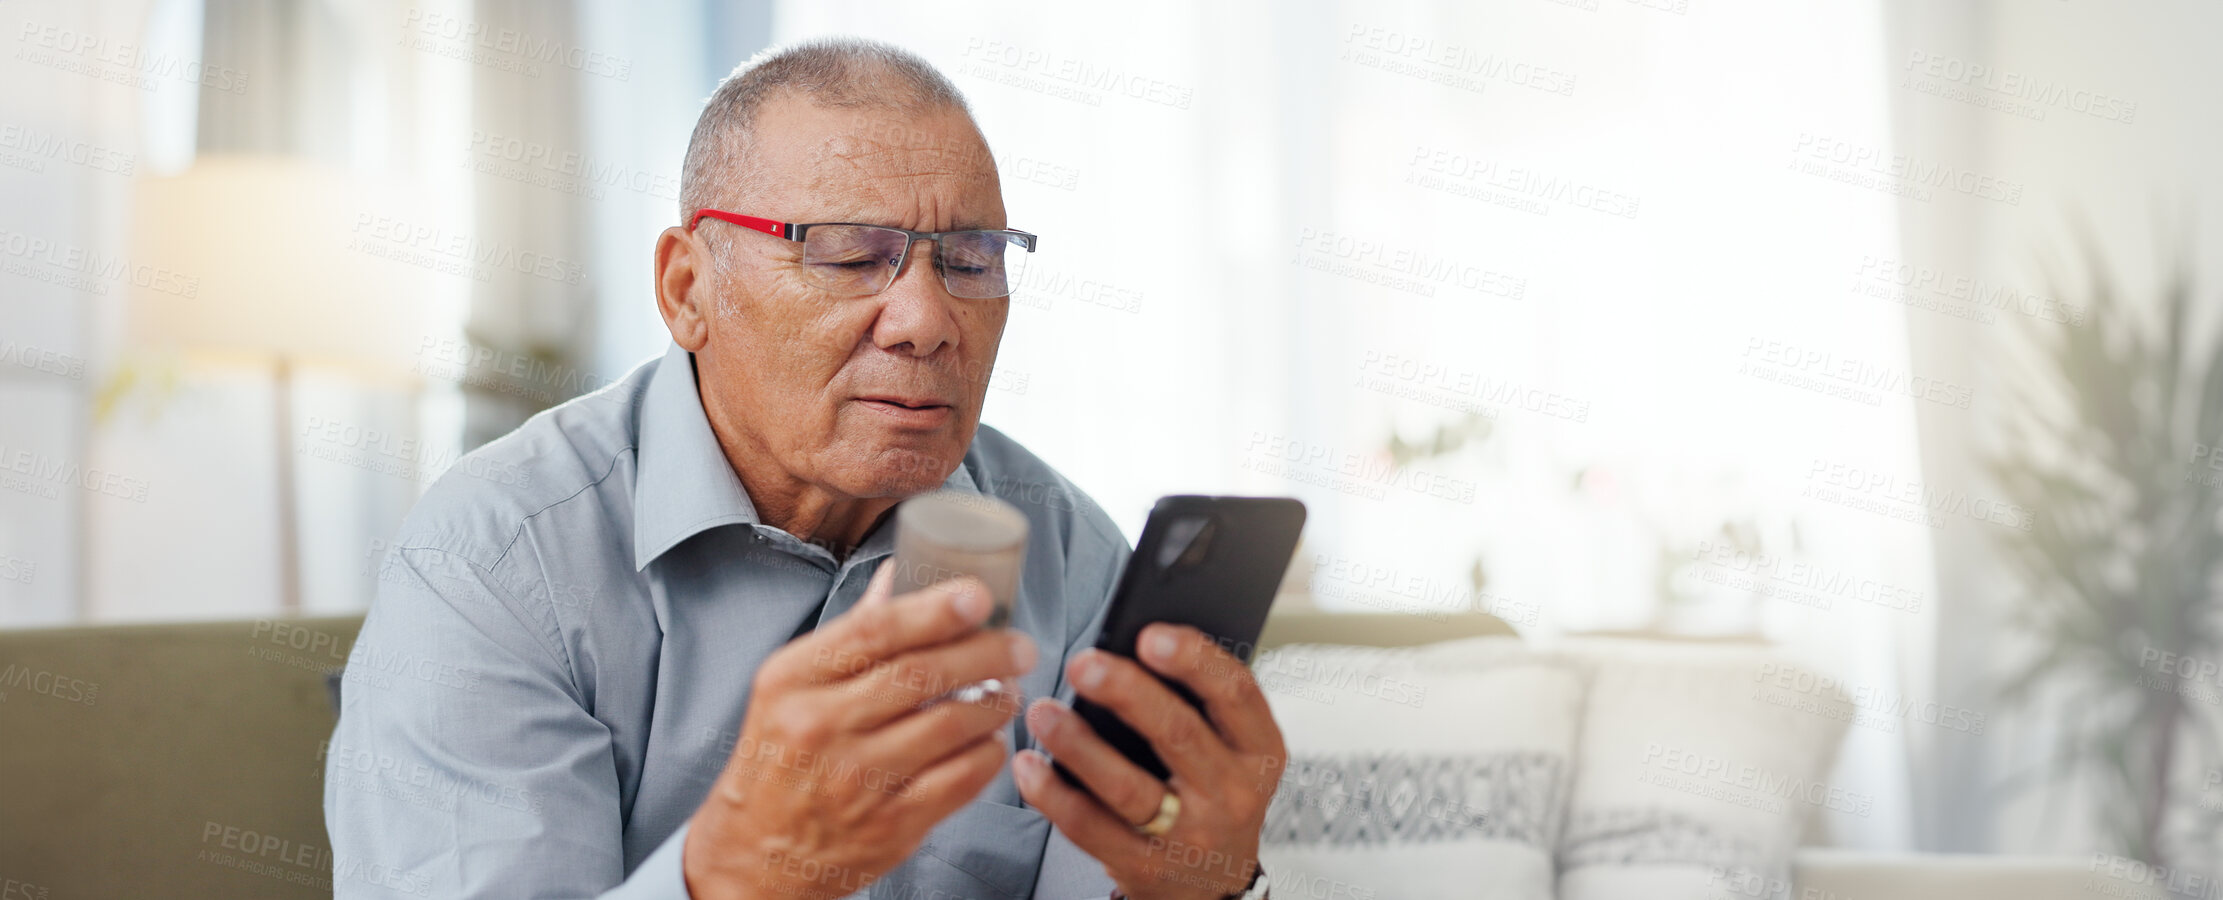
column 996, row 847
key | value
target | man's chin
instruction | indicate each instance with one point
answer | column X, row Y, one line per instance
column 903, row 467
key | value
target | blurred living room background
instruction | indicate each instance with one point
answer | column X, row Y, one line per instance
column 1879, row 331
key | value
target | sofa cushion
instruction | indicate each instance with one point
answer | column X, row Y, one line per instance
column 1435, row 771
column 1691, row 780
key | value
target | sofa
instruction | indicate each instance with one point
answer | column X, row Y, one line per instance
column 186, row 760
column 1407, row 698
column 174, row 760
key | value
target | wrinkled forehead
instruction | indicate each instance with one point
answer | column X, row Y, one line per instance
column 931, row 163
column 941, row 142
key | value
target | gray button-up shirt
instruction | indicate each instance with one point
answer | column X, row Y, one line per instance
column 557, row 664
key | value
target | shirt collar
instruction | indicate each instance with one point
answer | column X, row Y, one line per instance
column 686, row 486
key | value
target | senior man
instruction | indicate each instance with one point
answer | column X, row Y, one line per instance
column 666, row 663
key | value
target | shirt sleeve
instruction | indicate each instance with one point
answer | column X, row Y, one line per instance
column 465, row 763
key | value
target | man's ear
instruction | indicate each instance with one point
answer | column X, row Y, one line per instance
column 681, row 296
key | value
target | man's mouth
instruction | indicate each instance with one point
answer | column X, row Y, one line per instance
column 919, row 412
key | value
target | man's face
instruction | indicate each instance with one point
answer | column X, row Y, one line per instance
column 873, row 396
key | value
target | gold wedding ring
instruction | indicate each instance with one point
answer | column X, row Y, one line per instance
column 1169, row 809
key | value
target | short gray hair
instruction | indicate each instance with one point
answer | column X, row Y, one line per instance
column 837, row 72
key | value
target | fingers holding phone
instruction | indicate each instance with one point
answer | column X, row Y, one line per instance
column 1232, row 699
column 1203, row 842
column 1169, row 756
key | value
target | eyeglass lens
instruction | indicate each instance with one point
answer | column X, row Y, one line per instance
column 861, row 259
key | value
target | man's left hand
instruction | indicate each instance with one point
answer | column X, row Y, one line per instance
column 1225, row 764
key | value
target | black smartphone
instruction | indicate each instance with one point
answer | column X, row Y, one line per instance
column 1211, row 563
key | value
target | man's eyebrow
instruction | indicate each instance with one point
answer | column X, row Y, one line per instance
column 853, row 217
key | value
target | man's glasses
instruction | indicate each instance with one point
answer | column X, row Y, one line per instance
column 854, row 260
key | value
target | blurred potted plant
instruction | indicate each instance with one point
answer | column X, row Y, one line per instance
column 2103, row 439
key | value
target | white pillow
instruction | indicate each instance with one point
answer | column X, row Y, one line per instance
column 1698, row 769
column 1435, row 771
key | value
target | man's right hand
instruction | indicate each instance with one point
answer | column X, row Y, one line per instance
column 848, row 756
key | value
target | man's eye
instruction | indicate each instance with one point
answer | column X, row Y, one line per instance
column 852, row 265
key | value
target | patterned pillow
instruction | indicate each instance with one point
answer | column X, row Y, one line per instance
column 1434, row 771
column 1694, row 778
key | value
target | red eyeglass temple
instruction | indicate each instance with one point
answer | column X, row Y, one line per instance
column 768, row 226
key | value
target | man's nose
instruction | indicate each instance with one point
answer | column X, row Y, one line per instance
column 917, row 314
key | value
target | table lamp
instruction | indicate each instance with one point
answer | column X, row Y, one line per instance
column 284, row 263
